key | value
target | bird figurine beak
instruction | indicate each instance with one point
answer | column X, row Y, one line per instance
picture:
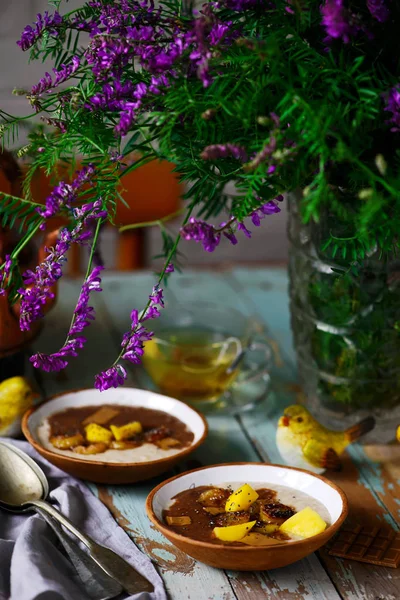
column 284, row 421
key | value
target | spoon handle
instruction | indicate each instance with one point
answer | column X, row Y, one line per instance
column 111, row 563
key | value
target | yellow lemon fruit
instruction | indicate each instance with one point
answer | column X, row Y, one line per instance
column 125, row 432
column 16, row 396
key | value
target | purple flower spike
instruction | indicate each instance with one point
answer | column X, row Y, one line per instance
column 203, row 232
column 337, row 20
column 46, row 84
column 393, row 106
column 65, row 194
column 378, row 10
column 30, row 35
column 113, row 377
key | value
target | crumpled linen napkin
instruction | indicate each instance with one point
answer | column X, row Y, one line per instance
column 33, row 564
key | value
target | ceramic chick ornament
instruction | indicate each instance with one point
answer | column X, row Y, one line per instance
column 305, row 443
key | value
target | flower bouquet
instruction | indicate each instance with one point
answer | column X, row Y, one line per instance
column 267, row 96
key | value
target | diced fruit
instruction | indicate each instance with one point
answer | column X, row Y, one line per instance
column 266, row 529
column 213, row 497
column 97, row 448
column 63, row 442
column 233, row 533
column 232, row 518
column 123, row 445
column 305, row 524
column 258, row 539
column 213, row 510
column 96, row 433
column 242, row 499
column 179, row 520
column 101, row 416
column 168, row 443
column 275, row 513
column 125, row 432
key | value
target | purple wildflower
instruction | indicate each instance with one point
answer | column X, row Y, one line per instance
column 378, row 10
column 169, row 268
column 229, row 234
column 83, row 314
column 46, row 84
column 393, row 105
column 203, row 232
column 113, row 377
column 337, row 20
column 5, row 273
column 262, row 156
column 45, row 275
column 242, row 227
column 65, row 194
column 30, row 34
column 216, row 151
column 58, row 360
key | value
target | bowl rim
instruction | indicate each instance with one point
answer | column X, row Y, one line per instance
column 207, row 545
column 49, row 454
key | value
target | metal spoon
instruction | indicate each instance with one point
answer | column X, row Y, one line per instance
column 23, row 487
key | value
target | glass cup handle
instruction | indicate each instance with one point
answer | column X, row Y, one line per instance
column 262, row 371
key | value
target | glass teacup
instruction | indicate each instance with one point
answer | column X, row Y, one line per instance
column 202, row 354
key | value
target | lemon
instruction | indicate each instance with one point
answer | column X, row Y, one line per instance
column 16, row 396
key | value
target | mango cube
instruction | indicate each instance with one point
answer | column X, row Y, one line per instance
column 233, row 533
column 96, row 433
column 242, row 499
column 125, row 432
column 305, row 524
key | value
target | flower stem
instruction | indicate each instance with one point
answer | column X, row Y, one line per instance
column 152, row 223
column 161, row 277
column 26, row 239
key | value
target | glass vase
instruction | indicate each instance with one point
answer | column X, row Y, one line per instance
column 345, row 317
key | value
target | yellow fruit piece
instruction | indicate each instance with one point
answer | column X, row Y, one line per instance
column 96, row 433
column 16, row 396
column 242, row 499
column 233, row 533
column 125, row 432
column 305, row 524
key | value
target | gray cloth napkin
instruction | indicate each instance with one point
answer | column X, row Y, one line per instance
column 33, row 563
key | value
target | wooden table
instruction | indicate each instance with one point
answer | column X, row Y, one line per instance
column 370, row 478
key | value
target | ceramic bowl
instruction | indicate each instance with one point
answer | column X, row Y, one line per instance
column 113, row 472
column 249, row 558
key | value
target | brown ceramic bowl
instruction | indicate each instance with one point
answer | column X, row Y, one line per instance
column 95, row 469
column 249, row 558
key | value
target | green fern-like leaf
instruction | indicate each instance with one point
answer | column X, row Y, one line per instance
column 18, row 212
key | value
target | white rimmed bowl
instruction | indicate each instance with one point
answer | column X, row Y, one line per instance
column 249, row 558
column 113, row 472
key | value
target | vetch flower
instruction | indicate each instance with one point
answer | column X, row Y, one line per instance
column 393, row 106
column 47, row 84
column 83, row 315
column 65, row 194
column 113, row 377
column 30, row 34
column 39, row 282
column 169, row 268
column 203, row 232
column 337, row 20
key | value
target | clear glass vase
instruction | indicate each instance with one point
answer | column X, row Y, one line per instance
column 345, row 319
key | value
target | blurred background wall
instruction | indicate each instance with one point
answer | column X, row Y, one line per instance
column 269, row 241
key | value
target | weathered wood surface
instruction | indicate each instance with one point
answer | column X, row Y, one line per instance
column 371, row 476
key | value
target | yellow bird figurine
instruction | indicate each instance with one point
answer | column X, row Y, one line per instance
column 305, row 443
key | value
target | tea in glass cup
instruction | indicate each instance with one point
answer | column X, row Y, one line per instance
column 195, row 354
